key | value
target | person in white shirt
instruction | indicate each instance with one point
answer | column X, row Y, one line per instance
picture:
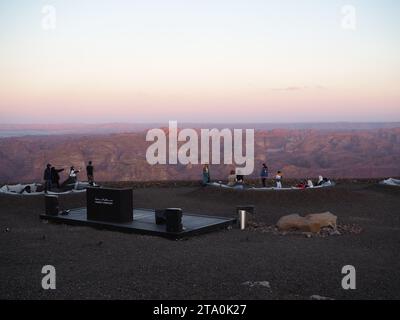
column 73, row 174
column 278, row 179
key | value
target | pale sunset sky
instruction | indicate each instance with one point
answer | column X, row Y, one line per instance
column 199, row 61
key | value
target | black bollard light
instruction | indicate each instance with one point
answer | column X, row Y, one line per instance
column 51, row 204
column 173, row 218
column 160, row 216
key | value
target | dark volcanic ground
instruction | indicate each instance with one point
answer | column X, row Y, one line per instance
column 96, row 264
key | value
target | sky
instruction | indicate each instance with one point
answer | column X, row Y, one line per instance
column 199, row 61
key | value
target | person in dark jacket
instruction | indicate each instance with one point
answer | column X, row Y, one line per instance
column 90, row 173
column 264, row 175
column 47, row 178
column 55, row 176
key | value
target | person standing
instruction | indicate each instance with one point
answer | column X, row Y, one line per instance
column 264, row 175
column 278, row 179
column 55, row 176
column 90, row 173
column 206, row 174
column 73, row 175
column 47, row 178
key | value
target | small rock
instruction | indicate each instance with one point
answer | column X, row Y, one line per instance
column 310, row 223
column 99, row 243
column 252, row 284
column 7, row 230
column 317, row 297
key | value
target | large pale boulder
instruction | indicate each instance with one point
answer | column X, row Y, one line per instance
column 310, row 223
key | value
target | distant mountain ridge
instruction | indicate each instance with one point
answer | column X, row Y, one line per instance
column 121, row 156
column 17, row 130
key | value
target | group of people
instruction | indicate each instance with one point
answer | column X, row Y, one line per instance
column 235, row 178
column 307, row 183
column 51, row 176
column 264, row 176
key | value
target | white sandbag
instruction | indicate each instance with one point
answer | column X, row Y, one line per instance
column 242, row 187
column 391, row 182
column 16, row 188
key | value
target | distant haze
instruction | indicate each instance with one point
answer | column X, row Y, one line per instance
column 16, row 130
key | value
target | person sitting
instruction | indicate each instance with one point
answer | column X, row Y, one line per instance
column 232, row 179
column 302, row 185
column 27, row 189
column 322, row 181
column 278, row 179
column 239, row 177
column 310, row 184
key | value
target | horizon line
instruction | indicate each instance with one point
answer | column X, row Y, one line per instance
column 200, row 122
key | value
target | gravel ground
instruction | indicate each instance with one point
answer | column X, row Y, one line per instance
column 228, row 264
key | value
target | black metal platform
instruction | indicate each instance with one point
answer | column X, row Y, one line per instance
column 144, row 223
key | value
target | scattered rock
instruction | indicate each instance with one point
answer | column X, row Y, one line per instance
column 7, row 229
column 349, row 229
column 341, row 229
column 252, row 284
column 317, row 297
column 310, row 223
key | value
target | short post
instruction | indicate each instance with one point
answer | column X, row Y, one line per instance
column 249, row 210
column 242, row 219
column 51, row 205
column 160, row 216
column 173, row 217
